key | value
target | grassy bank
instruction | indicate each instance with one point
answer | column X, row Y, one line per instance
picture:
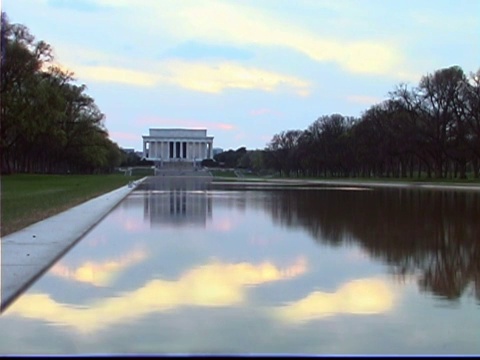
column 223, row 173
column 26, row 199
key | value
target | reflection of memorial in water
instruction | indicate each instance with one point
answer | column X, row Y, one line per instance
column 177, row 201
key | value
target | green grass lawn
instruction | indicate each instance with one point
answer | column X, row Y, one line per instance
column 223, row 173
column 26, row 198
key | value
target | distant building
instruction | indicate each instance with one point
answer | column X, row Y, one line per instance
column 217, row 151
column 177, row 145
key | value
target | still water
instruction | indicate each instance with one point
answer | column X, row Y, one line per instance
column 183, row 266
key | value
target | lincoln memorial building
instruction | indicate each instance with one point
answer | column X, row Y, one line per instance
column 177, row 145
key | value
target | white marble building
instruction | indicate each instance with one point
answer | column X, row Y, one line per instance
column 177, row 145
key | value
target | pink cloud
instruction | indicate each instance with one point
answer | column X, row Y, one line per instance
column 224, row 126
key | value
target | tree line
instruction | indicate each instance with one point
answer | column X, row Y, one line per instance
column 431, row 130
column 428, row 130
column 49, row 124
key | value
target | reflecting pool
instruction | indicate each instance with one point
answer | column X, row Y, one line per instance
column 185, row 266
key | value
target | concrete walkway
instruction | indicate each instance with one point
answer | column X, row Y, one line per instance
column 28, row 253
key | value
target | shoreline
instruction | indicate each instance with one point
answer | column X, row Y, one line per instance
column 358, row 183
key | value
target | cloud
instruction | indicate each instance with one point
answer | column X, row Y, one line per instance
column 115, row 75
column 223, row 126
column 198, row 76
column 212, row 285
column 227, row 28
column 362, row 297
column 214, row 78
column 234, row 30
column 98, row 274
column 241, row 25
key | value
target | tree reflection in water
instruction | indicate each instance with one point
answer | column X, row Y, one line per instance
column 435, row 234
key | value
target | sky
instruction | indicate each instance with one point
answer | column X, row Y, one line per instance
column 247, row 70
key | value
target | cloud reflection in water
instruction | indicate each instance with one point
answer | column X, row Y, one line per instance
column 362, row 296
column 211, row 285
column 98, row 274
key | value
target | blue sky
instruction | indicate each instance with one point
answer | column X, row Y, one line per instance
column 246, row 70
